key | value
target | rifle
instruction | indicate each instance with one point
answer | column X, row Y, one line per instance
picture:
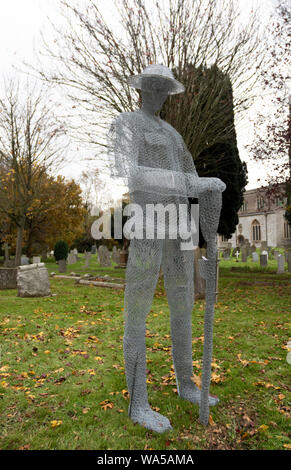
column 209, row 208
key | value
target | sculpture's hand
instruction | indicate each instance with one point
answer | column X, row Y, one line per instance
column 210, row 184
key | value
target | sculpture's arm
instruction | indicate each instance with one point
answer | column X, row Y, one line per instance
column 196, row 186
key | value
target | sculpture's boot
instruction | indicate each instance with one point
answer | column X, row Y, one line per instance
column 135, row 369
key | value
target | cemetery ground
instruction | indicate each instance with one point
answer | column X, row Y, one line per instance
column 62, row 382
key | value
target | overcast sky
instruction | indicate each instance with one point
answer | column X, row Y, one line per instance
column 20, row 25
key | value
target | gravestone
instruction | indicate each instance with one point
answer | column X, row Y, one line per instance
column 8, row 263
column 276, row 253
column 244, row 254
column 235, row 250
column 6, row 252
column 8, row 278
column 281, row 263
column 253, row 248
column 249, row 249
column 72, row 258
column 226, row 254
column 263, row 245
column 62, row 263
column 24, row 260
column 263, row 261
column 35, row 259
column 93, row 249
column 33, row 281
column 75, row 251
column 104, row 256
column 288, row 259
column 115, row 255
column 237, row 255
column 255, row 257
column 88, row 255
column 265, row 253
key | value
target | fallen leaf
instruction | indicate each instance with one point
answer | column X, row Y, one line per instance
column 262, row 428
column 106, row 404
column 196, row 379
column 56, row 423
column 211, row 421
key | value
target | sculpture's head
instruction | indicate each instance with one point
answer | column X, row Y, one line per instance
column 156, row 82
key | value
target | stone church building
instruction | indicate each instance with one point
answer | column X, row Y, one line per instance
column 261, row 219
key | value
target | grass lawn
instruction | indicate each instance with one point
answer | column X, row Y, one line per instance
column 62, row 382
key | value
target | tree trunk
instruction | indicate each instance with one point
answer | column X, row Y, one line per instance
column 19, row 245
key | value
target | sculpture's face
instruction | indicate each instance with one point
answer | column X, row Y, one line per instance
column 154, row 100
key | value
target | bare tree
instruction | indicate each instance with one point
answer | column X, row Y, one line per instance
column 31, row 146
column 92, row 61
column 271, row 143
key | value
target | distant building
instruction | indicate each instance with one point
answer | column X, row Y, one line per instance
column 261, row 219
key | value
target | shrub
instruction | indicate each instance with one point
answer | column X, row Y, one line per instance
column 61, row 250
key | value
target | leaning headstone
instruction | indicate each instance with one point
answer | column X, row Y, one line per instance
column 33, row 281
column 255, row 257
column 263, row 261
column 281, row 264
column 62, row 265
column 104, row 256
column 88, row 255
column 244, row 254
column 24, row 260
column 8, row 278
column 35, row 259
column 72, row 258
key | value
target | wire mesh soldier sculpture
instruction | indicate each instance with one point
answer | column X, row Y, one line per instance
column 152, row 158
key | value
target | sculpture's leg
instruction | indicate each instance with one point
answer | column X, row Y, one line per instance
column 178, row 268
column 141, row 278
